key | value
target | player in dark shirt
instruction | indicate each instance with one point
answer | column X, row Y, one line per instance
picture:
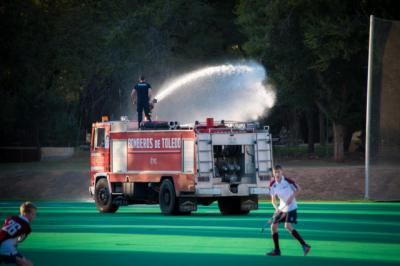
column 141, row 95
column 14, row 230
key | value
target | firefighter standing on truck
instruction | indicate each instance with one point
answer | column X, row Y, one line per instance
column 141, row 95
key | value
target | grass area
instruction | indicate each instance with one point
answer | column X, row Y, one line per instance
column 339, row 233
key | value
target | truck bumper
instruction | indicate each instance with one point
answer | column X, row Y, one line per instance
column 208, row 191
column 259, row 191
column 226, row 190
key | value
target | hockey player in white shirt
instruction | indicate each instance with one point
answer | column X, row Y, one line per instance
column 286, row 190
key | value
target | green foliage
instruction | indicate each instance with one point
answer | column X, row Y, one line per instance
column 301, row 152
column 275, row 37
column 64, row 63
column 315, row 52
column 301, row 40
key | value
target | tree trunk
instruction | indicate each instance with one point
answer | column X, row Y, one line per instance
column 338, row 136
column 294, row 127
column 322, row 129
column 310, row 132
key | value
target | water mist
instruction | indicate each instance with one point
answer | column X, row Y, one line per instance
column 229, row 91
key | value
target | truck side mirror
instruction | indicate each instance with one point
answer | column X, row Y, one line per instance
column 88, row 138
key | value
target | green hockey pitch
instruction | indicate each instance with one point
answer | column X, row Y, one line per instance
column 340, row 233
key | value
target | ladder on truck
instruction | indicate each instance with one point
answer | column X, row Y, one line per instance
column 264, row 162
column 205, row 160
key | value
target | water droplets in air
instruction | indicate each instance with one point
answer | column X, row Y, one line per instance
column 230, row 91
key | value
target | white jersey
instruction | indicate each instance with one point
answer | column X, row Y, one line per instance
column 284, row 189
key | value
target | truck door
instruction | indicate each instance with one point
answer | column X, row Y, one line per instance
column 100, row 149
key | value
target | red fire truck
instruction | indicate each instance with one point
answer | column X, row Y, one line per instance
column 180, row 166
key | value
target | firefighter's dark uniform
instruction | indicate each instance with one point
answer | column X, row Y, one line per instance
column 142, row 94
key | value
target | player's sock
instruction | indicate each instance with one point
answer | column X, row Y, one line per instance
column 296, row 235
column 275, row 237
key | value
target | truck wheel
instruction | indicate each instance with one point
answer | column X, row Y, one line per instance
column 103, row 197
column 167, row 198
column 231, row 206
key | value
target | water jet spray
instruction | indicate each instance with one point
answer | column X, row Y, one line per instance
column 229, row 91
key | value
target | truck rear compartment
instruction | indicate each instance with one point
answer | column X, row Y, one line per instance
column 234, row 164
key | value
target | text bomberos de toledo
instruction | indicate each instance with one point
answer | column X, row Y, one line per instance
column 154, row 143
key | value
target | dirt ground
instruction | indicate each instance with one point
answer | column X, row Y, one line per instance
column 45, row 185
column 346, row 182
column 69, row 180
column 58, row 179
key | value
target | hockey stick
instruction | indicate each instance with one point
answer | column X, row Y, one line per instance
column 273, row 218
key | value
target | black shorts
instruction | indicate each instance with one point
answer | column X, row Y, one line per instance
column 12, row 259
column 285, row 217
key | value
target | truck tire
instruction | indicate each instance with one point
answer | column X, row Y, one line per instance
column 103, row 197
column 231, row 206
column 167, row 198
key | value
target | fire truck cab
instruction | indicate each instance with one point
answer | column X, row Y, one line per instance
column 180, row 166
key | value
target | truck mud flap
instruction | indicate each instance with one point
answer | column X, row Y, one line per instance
column 247, row 204
column 187, row 204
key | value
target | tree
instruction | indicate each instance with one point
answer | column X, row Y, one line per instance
column 337, row 36
column 316, row 48
column 64, row 63
column 276, row 39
